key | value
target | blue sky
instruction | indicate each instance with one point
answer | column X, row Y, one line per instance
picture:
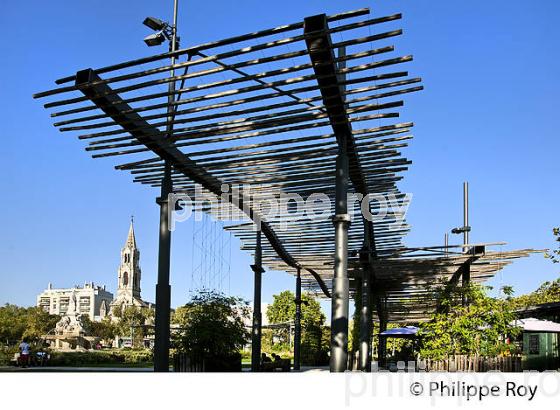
column 487, row 115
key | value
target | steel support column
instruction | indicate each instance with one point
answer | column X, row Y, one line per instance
column 257, row 314
column 163, row 288
column 297, row 323
column 382, row 349
column 365, row 313
column 465, row 281
column 340, row 283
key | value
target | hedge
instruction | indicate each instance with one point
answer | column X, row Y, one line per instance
column 100, row 357
column 6, row 354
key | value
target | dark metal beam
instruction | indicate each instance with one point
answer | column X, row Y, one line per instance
column 323, row 59
column 220, row 43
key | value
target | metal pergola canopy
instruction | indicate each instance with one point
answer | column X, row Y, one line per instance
column 273, row 108
column 261, row 108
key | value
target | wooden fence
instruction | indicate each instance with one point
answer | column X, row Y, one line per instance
column 464, row 363
column 188, row 362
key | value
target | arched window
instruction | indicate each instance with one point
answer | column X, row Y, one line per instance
column 125, row 279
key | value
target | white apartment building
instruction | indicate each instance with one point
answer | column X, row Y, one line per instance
column 89, row 299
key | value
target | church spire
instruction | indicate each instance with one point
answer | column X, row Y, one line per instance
column 129, row 273
column 131, row 239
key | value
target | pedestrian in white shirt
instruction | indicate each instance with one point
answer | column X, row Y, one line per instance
column 25, row 352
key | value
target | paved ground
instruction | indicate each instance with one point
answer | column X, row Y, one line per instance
column 75, row 369
column 112, row 369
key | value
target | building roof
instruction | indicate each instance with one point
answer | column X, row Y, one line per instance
column 536, row 325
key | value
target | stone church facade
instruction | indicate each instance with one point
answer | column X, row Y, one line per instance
column 129, row 276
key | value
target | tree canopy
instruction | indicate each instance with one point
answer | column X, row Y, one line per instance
column 132, row 321
column 554, row 256
column 547, row 292
column 18, row 322
column 105, row 329
column 314, row 338
column 481, row 327
column 283, row 309
column 212, row 324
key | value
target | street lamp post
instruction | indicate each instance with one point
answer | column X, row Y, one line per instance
column 163, row 288
column 465, row 230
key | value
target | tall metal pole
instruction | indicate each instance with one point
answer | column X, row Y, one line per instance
column 297, row 323
column 466, row 275
column 163, row 288
column 257, row 314
column 340, row 283
column 465, row 212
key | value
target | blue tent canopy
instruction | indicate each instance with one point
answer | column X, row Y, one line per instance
column 405, row 332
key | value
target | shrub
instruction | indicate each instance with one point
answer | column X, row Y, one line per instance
column 212, row 325
column 6, row 354
column 76, row 359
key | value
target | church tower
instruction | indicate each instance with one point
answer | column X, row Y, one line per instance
column 129, row 274
column 129, row 269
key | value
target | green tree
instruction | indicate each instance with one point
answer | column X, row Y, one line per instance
column 18, row 322
column 554, row 256
column 212, row 325
column 106, row 330
column 547, row 292
column 354, row 323
column 508, row 291
column 480, row 327
column 39, row 323
column 133, row 321
column 13, row 322
column 283, row 309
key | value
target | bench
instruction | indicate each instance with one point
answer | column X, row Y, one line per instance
column 283, row 365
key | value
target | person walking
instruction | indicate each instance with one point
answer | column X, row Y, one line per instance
column 24, row 353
